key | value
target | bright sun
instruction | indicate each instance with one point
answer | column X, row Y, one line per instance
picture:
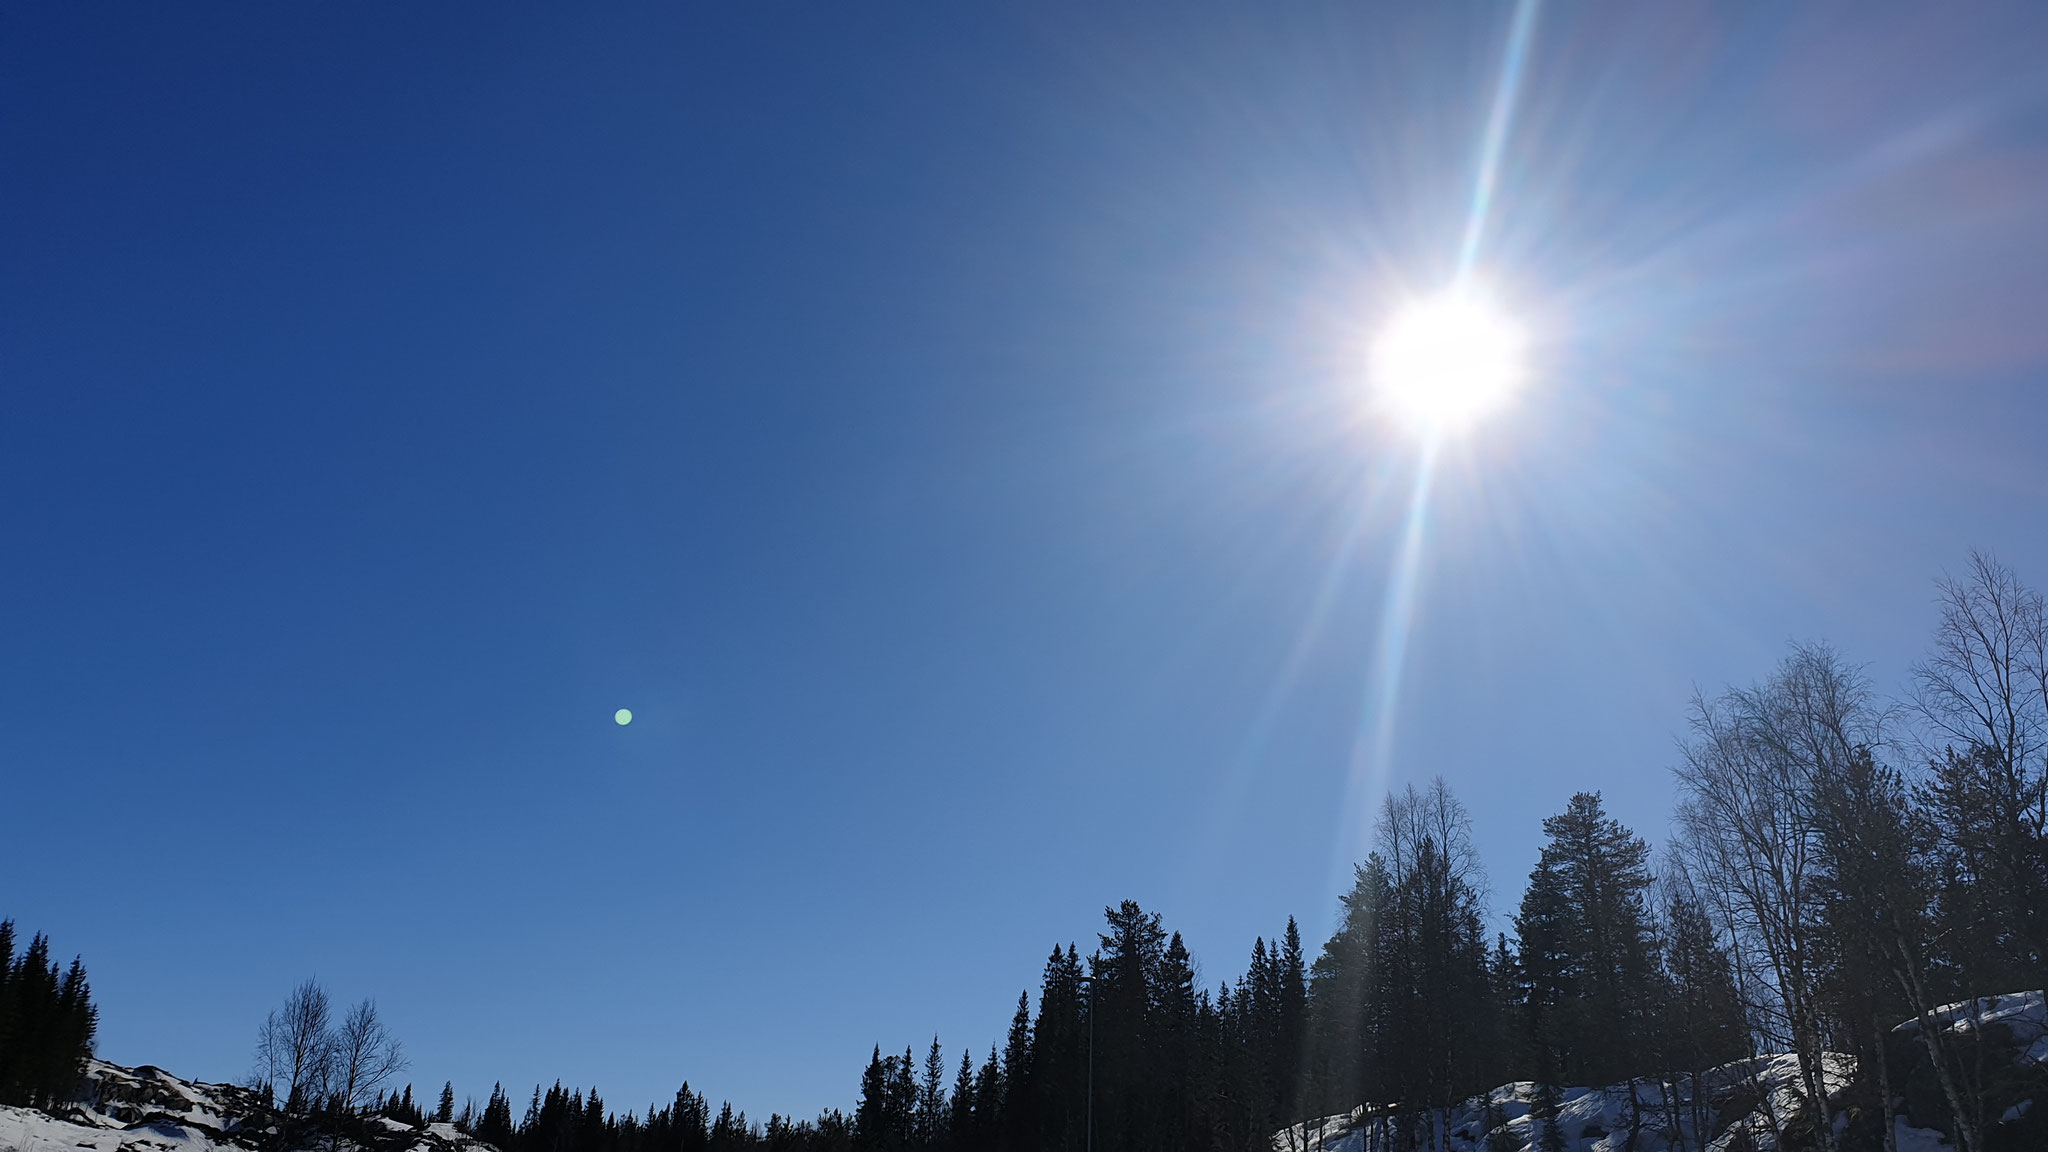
column 1447, row 360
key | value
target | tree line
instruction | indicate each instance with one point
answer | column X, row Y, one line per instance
column 1838, row 863
column 47, row 1024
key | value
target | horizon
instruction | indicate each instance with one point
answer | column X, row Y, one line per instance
column 948, row 434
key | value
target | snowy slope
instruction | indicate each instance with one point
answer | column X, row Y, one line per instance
column 1739, row 1099
column 2015, row 1023
column 149, row 1110
column 2022, row 1015
column 1598, row 1119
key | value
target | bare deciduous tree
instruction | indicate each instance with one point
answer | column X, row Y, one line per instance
column 1982, row 695
column 365, row 1056
column 295, row 1047
column 1985, row 682
column 323, row 1064
column 1747, row 828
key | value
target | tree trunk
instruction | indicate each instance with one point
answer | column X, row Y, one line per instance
column 1884, row 1084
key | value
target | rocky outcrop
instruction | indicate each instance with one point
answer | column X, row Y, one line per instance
column 147, row 1109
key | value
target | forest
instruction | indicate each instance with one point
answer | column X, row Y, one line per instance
column 1840, row 860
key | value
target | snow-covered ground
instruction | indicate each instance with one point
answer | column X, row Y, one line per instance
column 1594, row 1119
column 149, row 1110
column 2023, row 1014
column 1601, row 1119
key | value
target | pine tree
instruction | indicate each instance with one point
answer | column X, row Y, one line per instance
column 1587, row 947
column 445, row 1112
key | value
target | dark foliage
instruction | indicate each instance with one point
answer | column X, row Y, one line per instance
column 47, row 1023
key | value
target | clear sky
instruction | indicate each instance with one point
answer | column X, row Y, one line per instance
column 944, row 428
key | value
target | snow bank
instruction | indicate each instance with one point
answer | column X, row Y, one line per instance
column 1741, row 1104
column 147, row 1109
column 2023, row 1014
column 1662, row 1116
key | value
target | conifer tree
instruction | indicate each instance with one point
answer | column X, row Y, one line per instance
column 1291, row 1026
column 932, row 1122
column 1342, row 1005
column 1126, row 975
column 47, row 1024
column 990, row 1100
column 874, row 1126
column 495, row 1128
column 1177, row 1048
column 1058, row 1086
column 1431, row 968
column 1587, row 947
column 1981, row 695
column 962, row 1121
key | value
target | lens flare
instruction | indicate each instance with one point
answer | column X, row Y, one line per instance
column 1446, row 361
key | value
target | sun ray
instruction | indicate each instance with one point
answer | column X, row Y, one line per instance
column 1453, row 360
column 1498, row 120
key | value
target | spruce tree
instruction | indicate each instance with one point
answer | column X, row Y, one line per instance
column 990, row 1096
column 960, row 1113
column 1126, row 989
column 47, row 1024
column 1701, row 1023
column 1341, row 1008
column 1177, row 1048
column 10, row 1016
column 872, row 1121
column 932, row 1122
column 1291, row 1026
column 1017, row 1124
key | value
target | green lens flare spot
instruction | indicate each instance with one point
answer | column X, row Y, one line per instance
column 623, row 717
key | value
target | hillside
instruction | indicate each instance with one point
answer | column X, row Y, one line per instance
column 1736, row 1103
column 147, row 1109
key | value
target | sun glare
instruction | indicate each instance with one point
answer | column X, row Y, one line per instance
column 1446, row 361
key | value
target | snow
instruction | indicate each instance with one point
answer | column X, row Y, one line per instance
column 1598, row 1119
column 147, row 1109
column 24, row 1130
column 1593, row 1119
column 1913, row 1139
column 2025, row 1014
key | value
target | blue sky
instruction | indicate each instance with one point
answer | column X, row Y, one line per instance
column 944, row 429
